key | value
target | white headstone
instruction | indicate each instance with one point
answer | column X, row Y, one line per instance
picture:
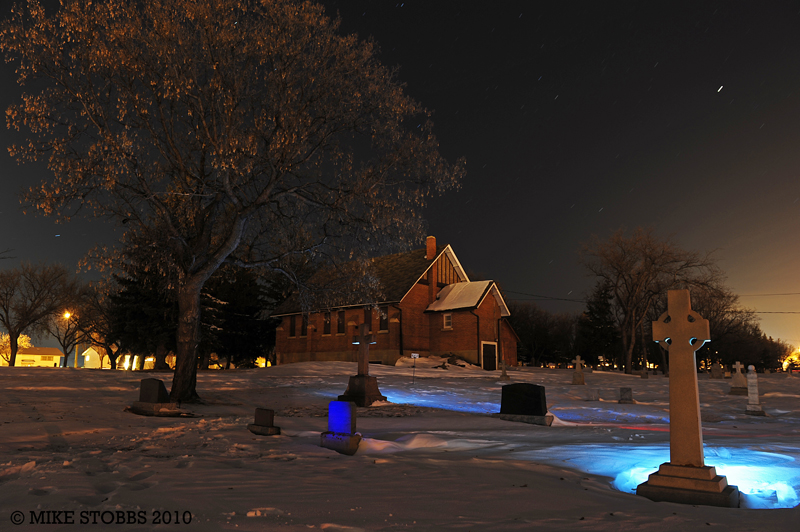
column 753, row 405
column 738, row 379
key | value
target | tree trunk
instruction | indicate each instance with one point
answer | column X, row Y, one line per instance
column 630, row 336
column 112, row 357
column 161, row 358
column 184, row 383
column 665, row 367
column 13, row 347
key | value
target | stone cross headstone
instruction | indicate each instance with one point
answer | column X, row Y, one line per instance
column 753, row 404
column 363, row 389
column 577, row 375
column 738, row 380
column 685, row 478
column 504, row 376
column 626, row 396
column 524, row 402
column 341, row 435
column 264, row 424
column 364, row 338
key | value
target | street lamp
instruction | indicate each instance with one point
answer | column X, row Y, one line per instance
column 67, row 316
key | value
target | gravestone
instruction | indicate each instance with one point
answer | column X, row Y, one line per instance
column 577, row 375
column 504, row 376
column 341, row 435
column 153, row 391
column 264, row 424
column 738, row 380
column 154, row 401
column 626, row 396
column 753, row 404
column 685, row 478
column 716, row 371
column 593, row 395
column 363, row 389
column 525, row 403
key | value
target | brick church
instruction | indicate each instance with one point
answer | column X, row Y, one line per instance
column 431, row 308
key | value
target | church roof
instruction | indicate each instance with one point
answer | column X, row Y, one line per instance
column 459, row 296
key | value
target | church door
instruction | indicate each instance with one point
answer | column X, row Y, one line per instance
column 489, row 356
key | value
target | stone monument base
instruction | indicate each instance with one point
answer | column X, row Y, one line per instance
column 545, row 420
column 262, row 430
column 158, row 409
column 689, row 485
column 755, row 411
column 340, row 442
column 577, row 379
column 362, row 390
column 738, row 390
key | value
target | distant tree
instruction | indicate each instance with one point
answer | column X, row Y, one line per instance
column 638, row 269
column 97, row 319
column 64, row 324
column 597, row 328
column 24, row 342
column 543, row 336
column 242, row 331
column 29, row 295
column 239, row 131
column 143, row 313
column 64, row 327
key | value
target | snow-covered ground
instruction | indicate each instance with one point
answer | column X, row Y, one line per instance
column 431, row 459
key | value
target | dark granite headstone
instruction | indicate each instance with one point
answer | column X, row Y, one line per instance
column 153, row 391
column 265, row 417
column 264, row 424
column 154, row 401
column 523, row 399
column 626, row 396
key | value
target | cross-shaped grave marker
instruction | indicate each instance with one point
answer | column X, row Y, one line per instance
column 685, row 478
column 738, row 380
column 577, row 375
column 363, row 339
column 684, row 332
column 363, row 389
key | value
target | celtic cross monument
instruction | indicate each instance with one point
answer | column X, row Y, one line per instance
column 685, row 478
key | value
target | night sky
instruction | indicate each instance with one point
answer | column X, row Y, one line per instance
column 576, row 119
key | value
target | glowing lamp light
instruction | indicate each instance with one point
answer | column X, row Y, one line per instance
column 67, row 315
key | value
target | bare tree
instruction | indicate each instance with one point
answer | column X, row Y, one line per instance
column 240, row 131
column 639, row 269
column 97, row 319
column 29, row 295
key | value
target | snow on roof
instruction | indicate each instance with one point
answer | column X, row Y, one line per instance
column 466, row 295
column 49, row 351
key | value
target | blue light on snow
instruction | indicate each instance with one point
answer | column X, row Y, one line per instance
column 764, row 479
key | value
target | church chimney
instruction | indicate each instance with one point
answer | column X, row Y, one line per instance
column 431, row 248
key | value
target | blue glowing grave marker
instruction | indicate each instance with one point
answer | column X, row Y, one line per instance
column 341, row 435
column 342, row 417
